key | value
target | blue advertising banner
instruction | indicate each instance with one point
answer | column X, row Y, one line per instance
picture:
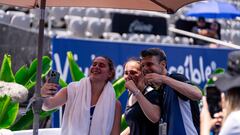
column 196, row 63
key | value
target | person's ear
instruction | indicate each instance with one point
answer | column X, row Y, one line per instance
column 163, row 63
column 111, row 75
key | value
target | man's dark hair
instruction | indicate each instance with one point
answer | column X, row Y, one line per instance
column 154, row 52
column 201, row 18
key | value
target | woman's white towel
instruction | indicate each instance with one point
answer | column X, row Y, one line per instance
column 76, row 119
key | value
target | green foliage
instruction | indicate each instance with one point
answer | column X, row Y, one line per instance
column 27, row 120
column 119, row 87
column 62, row 83
column 215, row 72
column 75, row 71
column 26, row 77
column 212, row 79
column 8, row 111
column 6, row 73
column 123, row 123
column 21, row 75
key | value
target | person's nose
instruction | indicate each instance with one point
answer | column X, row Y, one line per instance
column 129, row 76
column 97, row 66
column 125, row 76
column 144, row 69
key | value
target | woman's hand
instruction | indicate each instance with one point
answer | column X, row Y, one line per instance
column 49, row 89
column 126, row 131
column 130, row 85
column 206, row 122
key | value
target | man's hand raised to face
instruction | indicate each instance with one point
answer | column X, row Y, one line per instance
column 154, row 79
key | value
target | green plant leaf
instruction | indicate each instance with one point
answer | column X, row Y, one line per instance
column 21, row 75
column 119, row 87
column 123, row 123
column 6, row 73
column 26, row 121
column 215, row 72
column 32, row 72
column 75, row 71
column 8, row 111
column 62, row 83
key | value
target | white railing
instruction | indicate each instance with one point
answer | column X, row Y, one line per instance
column 190, row 34
column 45, row 131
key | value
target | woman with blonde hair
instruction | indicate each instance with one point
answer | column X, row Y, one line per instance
column 143, row 106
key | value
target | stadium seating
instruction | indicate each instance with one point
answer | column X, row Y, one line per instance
column 97, row 23
column 22, row 21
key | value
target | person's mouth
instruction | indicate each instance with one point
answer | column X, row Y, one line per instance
column 95, row 72
column 147, row 72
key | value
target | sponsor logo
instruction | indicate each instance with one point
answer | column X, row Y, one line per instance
column 138, row 26
column 196, row 74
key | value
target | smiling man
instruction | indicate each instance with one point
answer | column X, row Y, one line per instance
column 180, row 112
